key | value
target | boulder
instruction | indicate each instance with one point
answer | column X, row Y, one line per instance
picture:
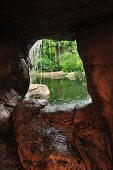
column 38, row 91
column 8, row 100
column 20, row 79
column 9, row 97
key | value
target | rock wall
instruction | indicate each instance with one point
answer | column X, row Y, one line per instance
column 14, row 83
column 95, row 46
column 78, row 140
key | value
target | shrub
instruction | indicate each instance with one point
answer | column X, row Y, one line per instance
column 70, row 62
column 56, row 56
column 46, row 64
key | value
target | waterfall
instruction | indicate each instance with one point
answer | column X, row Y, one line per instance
column 57, row 65
column 35, row 53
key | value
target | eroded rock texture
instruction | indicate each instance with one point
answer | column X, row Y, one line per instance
column 78, row 140
column 89, row 134
column 74, row 140
column 45, row 140
column 14, row 83
column 95, row 47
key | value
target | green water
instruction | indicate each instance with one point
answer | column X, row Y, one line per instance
column 65, row 90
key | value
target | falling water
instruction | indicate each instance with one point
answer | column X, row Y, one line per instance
column 35, row 54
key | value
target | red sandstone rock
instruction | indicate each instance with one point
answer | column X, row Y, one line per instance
column 90, row 140
column 49, row 141
column 45, row 141
column 27, row 109
column 95, row 44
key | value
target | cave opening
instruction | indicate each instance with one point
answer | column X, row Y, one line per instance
column 80, row 138
column 57, row 73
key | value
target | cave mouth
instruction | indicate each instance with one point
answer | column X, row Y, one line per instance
column 57, row 73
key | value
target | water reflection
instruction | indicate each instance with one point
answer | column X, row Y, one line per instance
column 65, row 90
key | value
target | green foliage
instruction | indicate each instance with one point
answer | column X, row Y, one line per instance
column 71, row 62
column 58, row 55
column 45, row 64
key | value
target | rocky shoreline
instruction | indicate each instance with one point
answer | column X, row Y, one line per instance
column 55, row 75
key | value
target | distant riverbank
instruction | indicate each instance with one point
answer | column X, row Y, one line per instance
column 57, row 75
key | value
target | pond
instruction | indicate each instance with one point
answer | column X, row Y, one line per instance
column 65, row 90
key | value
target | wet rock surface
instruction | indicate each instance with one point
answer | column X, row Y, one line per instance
column 45, row 140
column 69, row 139
column 62, row 140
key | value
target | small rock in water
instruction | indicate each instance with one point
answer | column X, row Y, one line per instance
column 71, row 76
column 38, row 91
